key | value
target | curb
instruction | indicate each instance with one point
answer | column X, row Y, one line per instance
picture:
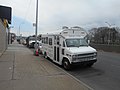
column 72, row 76
column 2, row 53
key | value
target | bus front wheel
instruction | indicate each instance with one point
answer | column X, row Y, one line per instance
column 66, row 64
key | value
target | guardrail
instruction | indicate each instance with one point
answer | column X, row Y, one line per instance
column 108, row 48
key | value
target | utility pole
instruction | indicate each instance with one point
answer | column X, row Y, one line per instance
column 9, row 34
column 20, row 28
column 36, row 25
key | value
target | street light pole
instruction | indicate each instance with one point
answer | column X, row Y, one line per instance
column 9, row 33
column 36, row 25
column 20, row 28
column 19, row 32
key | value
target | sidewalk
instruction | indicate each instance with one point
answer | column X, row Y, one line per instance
column 21, row 70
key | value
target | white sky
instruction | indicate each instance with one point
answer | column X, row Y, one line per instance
column 53, row 14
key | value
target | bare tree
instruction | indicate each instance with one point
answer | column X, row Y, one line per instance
column 103, row 35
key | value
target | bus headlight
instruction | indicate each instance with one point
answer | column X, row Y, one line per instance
column 95, row 54
column 74, row 57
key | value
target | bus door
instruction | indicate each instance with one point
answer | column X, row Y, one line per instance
column 56, row 48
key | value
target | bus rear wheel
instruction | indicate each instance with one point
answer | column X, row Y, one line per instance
column 66, row 64
column 45, row 55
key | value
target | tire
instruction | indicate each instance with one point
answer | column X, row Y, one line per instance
column 45, row 55
column 66, row 64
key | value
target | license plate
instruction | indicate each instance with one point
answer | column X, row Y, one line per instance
column 85, row 59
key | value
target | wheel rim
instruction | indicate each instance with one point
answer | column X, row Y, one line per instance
column 66, row 64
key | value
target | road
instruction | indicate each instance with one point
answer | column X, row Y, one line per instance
column 103, row 75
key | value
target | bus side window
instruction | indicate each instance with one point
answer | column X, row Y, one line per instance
column 42, row 40
column 57, row 40
column 54, row 39
column 50, row 41
column 46, row 40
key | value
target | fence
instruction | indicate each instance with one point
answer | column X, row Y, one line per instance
column 107, row 48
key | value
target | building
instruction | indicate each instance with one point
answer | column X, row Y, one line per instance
column 5, row 20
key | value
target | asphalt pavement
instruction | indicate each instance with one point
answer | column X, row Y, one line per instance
column 21, row 70
column 103, row 75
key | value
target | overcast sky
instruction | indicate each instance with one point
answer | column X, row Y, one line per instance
column 53, row 14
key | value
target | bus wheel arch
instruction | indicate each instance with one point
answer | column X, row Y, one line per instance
column 66, row 64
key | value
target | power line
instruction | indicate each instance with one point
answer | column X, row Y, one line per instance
column 27, row 10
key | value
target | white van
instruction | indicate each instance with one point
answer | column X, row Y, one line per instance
column 68, row 47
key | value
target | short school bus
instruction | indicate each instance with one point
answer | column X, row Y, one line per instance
column 68, row 47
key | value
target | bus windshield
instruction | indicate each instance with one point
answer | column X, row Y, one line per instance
column 76, row 42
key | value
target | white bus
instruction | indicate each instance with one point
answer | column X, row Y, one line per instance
column 68, row 47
